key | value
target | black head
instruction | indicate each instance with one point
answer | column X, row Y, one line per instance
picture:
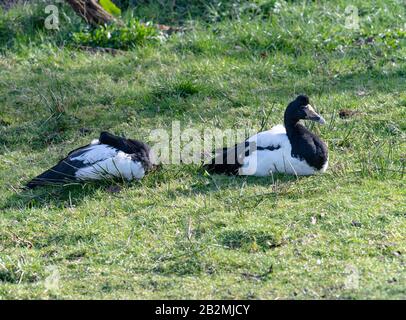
column 299, row 109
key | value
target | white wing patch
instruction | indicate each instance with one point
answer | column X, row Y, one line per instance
column 266, row 162
column 95, row 141
column 95, row 153
column 106, row 162
column 274, row 137
column 119, row 166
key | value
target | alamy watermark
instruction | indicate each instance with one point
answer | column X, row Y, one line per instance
column 351, row 278
column 52, row 281
column 352, row 20
column 52, row 20
column 352, row 17
column 192, row 145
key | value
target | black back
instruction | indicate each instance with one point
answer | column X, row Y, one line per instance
column 140, row 151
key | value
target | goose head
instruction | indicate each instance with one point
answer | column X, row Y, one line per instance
column 300, row 109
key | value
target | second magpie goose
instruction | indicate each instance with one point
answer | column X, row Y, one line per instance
column 109, row 156
column 291, row 149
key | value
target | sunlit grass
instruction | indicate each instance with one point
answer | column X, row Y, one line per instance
column 181, row 233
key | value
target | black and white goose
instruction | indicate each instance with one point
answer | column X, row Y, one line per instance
column 109, row 156
column 291, row 149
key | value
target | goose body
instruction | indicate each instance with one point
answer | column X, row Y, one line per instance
column 290, row 149
column 109, row 156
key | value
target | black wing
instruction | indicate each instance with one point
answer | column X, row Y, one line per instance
column 61, row 173
column 64, row 171
column 128, row 146
column 229, row 160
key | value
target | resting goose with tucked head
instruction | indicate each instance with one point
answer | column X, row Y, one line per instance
column 291, row 149
column 109, row 156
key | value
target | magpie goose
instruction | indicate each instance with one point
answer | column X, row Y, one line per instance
column 109, row 156
column 291, row 149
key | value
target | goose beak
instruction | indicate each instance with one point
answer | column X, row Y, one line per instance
column 312, row 115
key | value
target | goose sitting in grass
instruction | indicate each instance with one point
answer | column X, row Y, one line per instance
column 291, row 149
column 109, row 156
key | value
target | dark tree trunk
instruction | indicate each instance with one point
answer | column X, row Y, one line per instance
column 91, row 11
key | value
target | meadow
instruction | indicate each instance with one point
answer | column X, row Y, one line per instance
column 182, row 233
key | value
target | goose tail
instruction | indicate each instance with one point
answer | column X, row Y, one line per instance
column 227, row 160
column 53, row 176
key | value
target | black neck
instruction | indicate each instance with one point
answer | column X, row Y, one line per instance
column 305, row 144
column 293, row 126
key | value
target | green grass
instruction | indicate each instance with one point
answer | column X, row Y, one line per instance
column 181, row 233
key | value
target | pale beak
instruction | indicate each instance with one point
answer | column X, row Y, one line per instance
column 312, row 115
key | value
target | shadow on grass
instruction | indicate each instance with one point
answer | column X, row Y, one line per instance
column 219, row 185
column 58, row 196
